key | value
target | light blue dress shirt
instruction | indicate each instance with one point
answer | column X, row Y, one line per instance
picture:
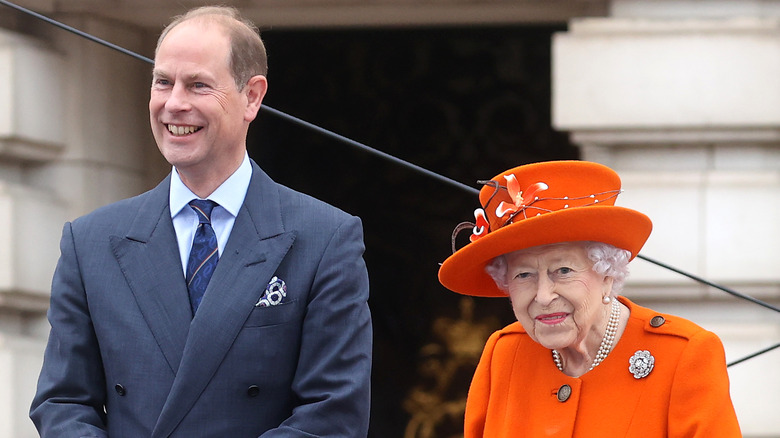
column 230, row 196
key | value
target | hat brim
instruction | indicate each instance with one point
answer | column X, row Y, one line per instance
column 464, row 272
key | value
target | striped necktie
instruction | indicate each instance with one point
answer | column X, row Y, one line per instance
column 204, row 254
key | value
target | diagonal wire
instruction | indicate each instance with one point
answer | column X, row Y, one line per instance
column 751, row 356
column 76, row 31
column 724, row 289
column 368, row 149
column 266, row 108
column 709, row 283
column 383, row 155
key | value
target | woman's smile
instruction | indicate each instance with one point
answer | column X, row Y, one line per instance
column 552, row 318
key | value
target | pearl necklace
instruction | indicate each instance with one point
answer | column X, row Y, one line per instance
column 606, row 341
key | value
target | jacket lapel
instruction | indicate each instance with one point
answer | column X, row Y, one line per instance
column 149, row 258
column 256, row 247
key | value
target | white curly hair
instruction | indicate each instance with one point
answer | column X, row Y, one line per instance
column 607, row 260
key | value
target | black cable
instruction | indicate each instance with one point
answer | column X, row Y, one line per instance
column 751, row 356
column 709, row 283
column 266, row 108
column 365, row 148
column 368, row 149
column 77, row 32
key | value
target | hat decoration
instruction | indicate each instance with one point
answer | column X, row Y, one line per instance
column 563, row 201
column 520, row 205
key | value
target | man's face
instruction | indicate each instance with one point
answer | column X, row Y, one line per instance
column 199, row 118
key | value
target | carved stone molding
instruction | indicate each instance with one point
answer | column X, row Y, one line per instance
column 339, row 13
column 31, row 100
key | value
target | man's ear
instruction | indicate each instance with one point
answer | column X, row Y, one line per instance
column 255, row 91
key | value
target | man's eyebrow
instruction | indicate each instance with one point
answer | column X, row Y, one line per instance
column 191, row 77
column 200, row 75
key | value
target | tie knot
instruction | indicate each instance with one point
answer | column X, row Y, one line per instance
column 202, row 208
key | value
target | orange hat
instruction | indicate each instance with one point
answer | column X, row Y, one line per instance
column 539, row 204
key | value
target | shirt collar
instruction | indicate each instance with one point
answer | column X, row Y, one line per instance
column 229, row 195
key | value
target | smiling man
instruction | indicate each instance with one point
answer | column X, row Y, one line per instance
column 199, row 111
column 218, row 304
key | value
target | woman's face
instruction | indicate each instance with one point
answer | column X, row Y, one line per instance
column 555, row 293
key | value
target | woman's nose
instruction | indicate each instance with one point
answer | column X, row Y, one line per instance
column 545, row 290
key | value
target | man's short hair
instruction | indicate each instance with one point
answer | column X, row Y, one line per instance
column 247, row 51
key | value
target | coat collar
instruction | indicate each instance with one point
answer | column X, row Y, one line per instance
column 149, row 258
column 148, row 255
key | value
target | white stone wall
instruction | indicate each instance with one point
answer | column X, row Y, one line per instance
column 681, row 97
column 30, row 95
column 686, row 107
column 74, row 135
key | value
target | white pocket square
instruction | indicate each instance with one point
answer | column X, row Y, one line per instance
column 274, row 293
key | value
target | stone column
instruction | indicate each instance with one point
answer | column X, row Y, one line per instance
column 684, row 102
column 31, row 133
column 74, row 135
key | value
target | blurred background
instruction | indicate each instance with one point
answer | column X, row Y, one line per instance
column 682, row 98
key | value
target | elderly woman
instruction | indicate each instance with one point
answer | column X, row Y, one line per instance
column 580, row 361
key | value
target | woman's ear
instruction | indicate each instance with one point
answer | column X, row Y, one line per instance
column 608, row 282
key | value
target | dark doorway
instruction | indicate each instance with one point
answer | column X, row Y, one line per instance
column 463, row 102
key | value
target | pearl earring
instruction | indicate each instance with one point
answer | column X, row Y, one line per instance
column 606, row 299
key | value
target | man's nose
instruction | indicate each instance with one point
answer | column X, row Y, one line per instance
column 178, row 99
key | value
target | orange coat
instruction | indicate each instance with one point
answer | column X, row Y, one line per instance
column 514, row 392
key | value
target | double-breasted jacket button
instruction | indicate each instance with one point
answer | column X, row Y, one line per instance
column 120, row 389
column 253, row 391
column 564, row 392
column 657, row 321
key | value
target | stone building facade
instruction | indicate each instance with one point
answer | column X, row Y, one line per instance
column 681, row 97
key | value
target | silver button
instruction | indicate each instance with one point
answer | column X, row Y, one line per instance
column 657, row 321
column 564, row 392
